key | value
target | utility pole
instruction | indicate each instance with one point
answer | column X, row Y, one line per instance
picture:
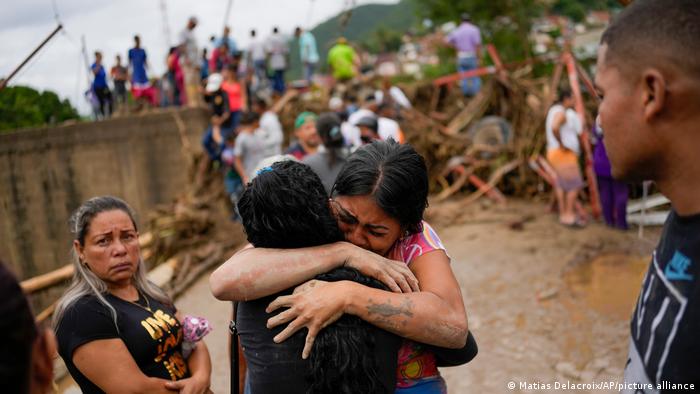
column 166, row 24
column 86, row 59
column 5, row 81
column 227, row 14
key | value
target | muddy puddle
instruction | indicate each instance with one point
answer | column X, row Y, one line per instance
column 608, row 284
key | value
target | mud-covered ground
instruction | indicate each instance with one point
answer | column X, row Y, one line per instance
column 546, row 303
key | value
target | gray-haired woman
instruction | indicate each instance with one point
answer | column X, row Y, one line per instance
column 116, row 331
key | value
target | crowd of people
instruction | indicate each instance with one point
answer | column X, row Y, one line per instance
column 344, row 286
column 263, row 65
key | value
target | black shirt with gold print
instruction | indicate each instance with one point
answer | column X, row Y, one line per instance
column 148, row 328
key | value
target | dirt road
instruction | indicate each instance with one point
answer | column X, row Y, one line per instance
column 546, row 303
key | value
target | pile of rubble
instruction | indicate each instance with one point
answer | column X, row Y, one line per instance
column 194, row 233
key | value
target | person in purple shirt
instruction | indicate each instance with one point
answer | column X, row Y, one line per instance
column 138, row 64
column 99, row 86
column 613, row 193
column 466, row 39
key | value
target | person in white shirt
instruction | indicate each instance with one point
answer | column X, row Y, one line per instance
column 257, row 58
column 270, row 130
column 308, row 52
column 563, row 129
column 381, row 115
column 188, row 47
column 277, row 51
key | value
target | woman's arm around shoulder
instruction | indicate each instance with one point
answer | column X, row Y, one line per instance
column 253, row 273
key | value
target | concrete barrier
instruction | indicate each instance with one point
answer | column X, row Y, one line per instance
column 45, row 173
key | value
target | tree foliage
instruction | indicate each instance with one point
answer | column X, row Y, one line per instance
column 383, row 40
column 22, row 106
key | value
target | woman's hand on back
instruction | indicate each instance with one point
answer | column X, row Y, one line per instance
column 314, row 305
column 395, row 274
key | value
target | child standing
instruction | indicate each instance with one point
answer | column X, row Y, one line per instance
column 249, row 147
column 221, row 126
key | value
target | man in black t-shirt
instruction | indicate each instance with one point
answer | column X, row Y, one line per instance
column 649, row 80
column 286, row 206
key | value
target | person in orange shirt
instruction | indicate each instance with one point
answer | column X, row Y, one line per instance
column 236, row 92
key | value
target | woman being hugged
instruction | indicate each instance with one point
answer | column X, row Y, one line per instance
column 116, row 331
column 378, row 199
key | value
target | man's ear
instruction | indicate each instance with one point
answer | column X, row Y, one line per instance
column 43, row 355
column 653, row 93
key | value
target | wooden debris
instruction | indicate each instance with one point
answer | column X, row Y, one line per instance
column 49, row 279
column 474, row 110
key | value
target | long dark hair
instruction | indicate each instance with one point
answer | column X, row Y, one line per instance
column 394, row 174
column 342, row 360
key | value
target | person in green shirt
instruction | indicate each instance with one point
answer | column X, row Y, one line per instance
column 343, row 60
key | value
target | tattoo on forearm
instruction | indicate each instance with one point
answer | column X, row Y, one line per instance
column 387, row 310
column 396, row 318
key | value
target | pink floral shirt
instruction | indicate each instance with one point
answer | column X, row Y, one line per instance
column 414, row 362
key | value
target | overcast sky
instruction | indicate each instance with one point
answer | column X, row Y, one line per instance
column 109, row 26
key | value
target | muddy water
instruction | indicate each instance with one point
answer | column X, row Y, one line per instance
column 609, row 284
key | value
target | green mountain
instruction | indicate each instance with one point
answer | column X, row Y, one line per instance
column 367, row 24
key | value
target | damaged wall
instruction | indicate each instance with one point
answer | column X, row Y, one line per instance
column 45, row 173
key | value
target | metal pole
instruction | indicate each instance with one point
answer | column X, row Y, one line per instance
column 31, row 55
column 166, row 24
column 87, row 60
column 226, row 15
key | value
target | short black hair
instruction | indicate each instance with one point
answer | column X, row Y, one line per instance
column 248, row 118
column 252, row 32
column 394, row 174
column 260, row 102
column 563, row 95
column 651, row 31
column 275, row 29
column 137, row 38
column 286, row 206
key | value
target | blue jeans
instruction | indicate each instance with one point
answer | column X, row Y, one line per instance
column 431, row 385
column 278, row 81
column 260, row 69
column 309, row 69
column 210, row 146
column 470, row 86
